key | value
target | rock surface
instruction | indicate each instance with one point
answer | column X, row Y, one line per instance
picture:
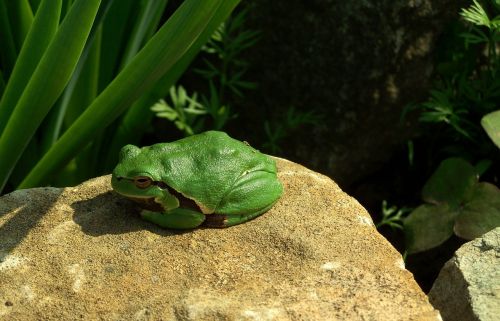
column 468, row 286
column 83, row 253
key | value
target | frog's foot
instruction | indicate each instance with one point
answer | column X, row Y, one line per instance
column 178, row 218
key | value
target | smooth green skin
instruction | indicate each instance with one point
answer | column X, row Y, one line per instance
column 220, row 174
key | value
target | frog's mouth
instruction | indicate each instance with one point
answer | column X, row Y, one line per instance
column 148, row 203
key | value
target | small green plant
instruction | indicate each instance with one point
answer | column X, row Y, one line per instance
column 226, row 68
column 182, row 110
column 467, row 87
column 462, row 108
column 392, row 216
column 223, row 70
column 278, row 130
column 440, row 109
column 455, row 203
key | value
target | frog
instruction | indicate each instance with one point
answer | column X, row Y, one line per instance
column 208, row 179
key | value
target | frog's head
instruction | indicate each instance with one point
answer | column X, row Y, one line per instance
column 136, row 174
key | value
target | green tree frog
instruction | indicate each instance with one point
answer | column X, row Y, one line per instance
column 209, row 178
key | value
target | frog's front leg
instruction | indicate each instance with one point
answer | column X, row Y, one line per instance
column 172, row 215
column 179, row 218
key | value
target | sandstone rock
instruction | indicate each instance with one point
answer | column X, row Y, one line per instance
column 468, row 286
column 83, row 253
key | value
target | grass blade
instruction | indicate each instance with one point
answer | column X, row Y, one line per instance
column 35, row 4
column 148, row 10
column 8, row 52
column 54, row 122
column 156, row 19
column 114, row 35
column 85, row 92
column 42, row 91
column 21, row 18
column 2, row 86
column 44, row 27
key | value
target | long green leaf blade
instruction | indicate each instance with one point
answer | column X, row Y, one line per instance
column 8, row 52
column 46, row 84
column 157, row 57
column 137, row 38
column 35, row 4
column 54, row 121
column 2, row 87
column 156, row 19
column 21, row 18
column 114, row 36
column 138, row 116
column 85, row 90
column 44, row 27
column 83, row 95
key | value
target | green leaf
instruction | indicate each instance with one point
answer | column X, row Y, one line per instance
column 114, row 36
column 83, row 92
column 42, row 91
column 35, row 4
column 157, row 57
column 472, row 39
column 491, row 124
column 476, row 15
column 8, row 50
column 482, row 166
column 428, row 226
column 77, row 94
column 480, row 214
column 2, row 85
column 21, row 18
column 85, row 89
column 147, row 15
column 450, row 183
column 44, row 27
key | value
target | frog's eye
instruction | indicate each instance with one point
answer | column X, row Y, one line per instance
column 142, row 181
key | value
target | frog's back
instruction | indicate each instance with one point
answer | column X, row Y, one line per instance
column 203, row 167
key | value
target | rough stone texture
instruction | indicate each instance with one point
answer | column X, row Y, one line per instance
column 358, row 63
column 468, row 286
column 83, row 252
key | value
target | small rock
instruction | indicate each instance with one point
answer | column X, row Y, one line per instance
column 468, row 286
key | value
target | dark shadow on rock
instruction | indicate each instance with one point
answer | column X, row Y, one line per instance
column 109, row 213
column 37, row 202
